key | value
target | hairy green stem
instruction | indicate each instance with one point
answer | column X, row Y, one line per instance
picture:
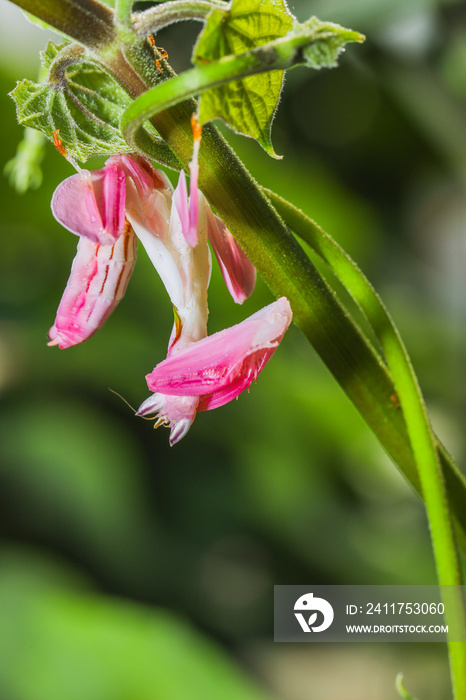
column 166, row 13
column 181, row 87
column 276, row 55
column 123, row 9
column 69, row 55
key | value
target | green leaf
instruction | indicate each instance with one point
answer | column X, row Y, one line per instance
column 83, row 102
column 247, row 105
column 329, row 43
column 48, row 56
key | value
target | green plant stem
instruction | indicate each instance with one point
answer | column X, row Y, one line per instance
column 123, row 9
column 277, row 55
column 181, row 87
column 87, row 21
column 374, row 310
column 152, row 20
column 412, row 404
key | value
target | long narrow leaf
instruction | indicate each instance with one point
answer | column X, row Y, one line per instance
column 421, row 436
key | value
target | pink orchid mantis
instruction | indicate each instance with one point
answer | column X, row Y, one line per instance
column 128, row 199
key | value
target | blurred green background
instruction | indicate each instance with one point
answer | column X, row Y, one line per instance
column 130, row 570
